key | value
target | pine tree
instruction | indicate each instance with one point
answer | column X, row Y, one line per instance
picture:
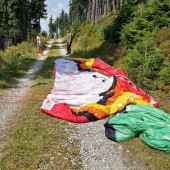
column 17, row 17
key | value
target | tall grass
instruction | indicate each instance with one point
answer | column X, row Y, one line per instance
column 16, row 60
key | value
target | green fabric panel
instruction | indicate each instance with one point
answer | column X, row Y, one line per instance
column 152, row 125
column 122, row 134
column 158, row 138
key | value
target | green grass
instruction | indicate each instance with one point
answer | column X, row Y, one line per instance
column 37, row 140
column 139, row 152
column 28, row 54
column 15, row 61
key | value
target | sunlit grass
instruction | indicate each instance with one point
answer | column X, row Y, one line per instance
column 15, row 61
column 145, row 155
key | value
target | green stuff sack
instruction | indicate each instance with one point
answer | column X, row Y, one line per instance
column 150, row 124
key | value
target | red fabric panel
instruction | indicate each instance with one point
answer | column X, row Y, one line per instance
column 63, row 111
column 106, row 69
column 125, row 82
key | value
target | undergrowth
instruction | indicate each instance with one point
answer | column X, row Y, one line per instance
column 16, row 60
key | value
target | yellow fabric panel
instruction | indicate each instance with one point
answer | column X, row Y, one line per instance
column 101, row 111
column 89, row 63
column 125, row 99
column 98, row 106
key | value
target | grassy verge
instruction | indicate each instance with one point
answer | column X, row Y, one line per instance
column 16, row 61
column 38, row 141
column 139, row 152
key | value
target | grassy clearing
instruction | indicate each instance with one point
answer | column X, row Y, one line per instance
column 38, row 141
column 15, row 62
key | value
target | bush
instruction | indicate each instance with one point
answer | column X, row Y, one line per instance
column 84, row 41
column 99, row 34
column 16, row 59
column 165, row 74
column 144, row 62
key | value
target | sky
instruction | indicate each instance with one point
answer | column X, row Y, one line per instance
column 54, row 8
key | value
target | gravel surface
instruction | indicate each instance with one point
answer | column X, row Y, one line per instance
column 97, row 152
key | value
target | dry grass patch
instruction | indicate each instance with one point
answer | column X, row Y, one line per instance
column 139, row 152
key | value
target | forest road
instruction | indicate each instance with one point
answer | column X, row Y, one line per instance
column 96, row 151
column 10, row 101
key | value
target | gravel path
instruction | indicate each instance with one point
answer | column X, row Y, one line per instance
column 10, row 102
column 97, row 152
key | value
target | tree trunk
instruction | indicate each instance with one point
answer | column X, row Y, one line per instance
column 113, row 5
column 105, row 8
column 23, row 21
column 89, row 12
column 108, row 7
column 96, row 12
column 121, row 2
column 93, row 11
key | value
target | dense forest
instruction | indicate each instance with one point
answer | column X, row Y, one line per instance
column 84, row 10
column 19, row 19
